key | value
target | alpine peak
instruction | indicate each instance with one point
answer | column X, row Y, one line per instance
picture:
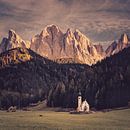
column 118, row 45
column 55, row 44
column 124, row 38
column 13, row 41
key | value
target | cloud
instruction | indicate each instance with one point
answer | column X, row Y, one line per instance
column 99, row 19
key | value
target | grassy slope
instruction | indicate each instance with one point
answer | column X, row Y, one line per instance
column 114, row 120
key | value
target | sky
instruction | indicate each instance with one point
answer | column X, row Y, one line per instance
column 100, row 20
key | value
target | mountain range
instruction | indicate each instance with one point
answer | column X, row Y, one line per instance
column 55, row 45
column 56, row 65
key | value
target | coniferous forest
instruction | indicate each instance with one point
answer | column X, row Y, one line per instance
column 26, row 77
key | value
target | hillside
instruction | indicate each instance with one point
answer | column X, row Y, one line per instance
column 21, row 73
column 108, row 87
column 113, row 80
column 68, row 61
column 26, row 77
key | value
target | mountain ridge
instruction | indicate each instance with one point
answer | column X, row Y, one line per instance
column 55, row 45
column 13, row 41
column 118, row 46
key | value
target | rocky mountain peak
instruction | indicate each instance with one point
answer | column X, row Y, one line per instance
column 100, row 49
column 69, row 37
column 12, row 34
column 50, row 30
column 117, row 46
column 13, row 41
column 69, row 32
column 49, row 42
column 55, row 44
column 81, row 38
column 124, row 38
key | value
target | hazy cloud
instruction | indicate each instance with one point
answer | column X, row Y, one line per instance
column 99, row 19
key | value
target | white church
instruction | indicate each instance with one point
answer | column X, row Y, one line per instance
column 82, row 106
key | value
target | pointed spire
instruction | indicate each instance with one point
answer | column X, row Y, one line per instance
column 69, row 32
column 50, row 29
column 11, row 34
column 79, row 93
column 124, row 38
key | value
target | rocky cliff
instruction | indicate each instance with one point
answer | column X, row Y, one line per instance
column 118, row 45
column 68, row 47
column 13, row 41
column 55, row 44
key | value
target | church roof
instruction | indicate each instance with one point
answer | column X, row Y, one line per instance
column 85, row 102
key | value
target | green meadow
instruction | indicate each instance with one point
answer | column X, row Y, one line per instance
column 50, row 120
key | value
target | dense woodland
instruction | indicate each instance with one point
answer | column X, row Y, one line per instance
column 26, row 77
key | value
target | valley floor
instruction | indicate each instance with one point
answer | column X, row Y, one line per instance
column 50, row 120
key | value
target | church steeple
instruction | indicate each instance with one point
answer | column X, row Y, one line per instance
column 79, row 94
column 79, row 101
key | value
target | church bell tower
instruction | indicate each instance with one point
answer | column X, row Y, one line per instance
column 79, row 101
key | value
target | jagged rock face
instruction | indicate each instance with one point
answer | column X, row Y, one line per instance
column 54, row 44
column 48, row 43
column 124, row 39
column 14, row 56
column 20, row 55
column 99, row 49
column 13, row 41
column 72, row 46
column 119, row 45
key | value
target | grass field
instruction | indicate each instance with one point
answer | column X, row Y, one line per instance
column 50, row 120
